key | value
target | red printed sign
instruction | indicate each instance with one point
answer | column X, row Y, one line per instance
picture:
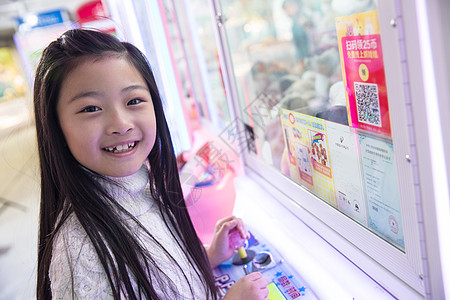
column 366, row 83
column 363, row 72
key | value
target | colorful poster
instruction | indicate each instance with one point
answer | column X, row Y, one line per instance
column 363, row 72
column 352, row 170
column 304, row 163
column 319, row 153
column 307, row 149
column 12, row 84
column 344, row 155
column 381, row 188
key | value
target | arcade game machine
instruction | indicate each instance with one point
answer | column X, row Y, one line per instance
column 31, row 31
column 337, row 142
column 35, row 30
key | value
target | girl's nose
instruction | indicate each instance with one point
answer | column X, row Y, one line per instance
column 119, row 122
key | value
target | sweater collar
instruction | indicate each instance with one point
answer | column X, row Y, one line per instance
column 131, row 192
column 131, row 185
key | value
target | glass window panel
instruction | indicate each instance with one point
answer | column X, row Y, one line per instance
column 312, row 92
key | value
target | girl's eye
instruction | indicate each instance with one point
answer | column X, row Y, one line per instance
column 90, row 109
column 134, row 101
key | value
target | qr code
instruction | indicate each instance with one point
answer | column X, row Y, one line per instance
column 368, row 103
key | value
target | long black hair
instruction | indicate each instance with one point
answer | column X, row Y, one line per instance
column 67, row 189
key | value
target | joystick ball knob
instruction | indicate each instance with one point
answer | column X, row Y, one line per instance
column 237, row 242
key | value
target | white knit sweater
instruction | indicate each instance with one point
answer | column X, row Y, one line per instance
column 75, row 260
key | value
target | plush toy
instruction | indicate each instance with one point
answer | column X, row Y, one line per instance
column 298, row 95
column 337, row 94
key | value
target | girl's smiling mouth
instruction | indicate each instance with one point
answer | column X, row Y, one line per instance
column 121, row 147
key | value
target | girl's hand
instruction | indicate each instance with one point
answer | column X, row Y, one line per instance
column 250, row 287
column 220, row 249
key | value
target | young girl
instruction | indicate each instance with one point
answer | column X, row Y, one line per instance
column 113, row 221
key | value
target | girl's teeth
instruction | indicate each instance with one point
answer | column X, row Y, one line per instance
column 120, row 148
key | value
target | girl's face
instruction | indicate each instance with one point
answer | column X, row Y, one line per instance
column 106, row 114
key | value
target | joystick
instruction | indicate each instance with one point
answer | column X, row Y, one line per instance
column 242, row 256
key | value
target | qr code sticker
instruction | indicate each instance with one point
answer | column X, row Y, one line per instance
column 368, row 103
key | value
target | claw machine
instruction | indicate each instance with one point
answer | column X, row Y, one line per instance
column 338, row 104
column 333, row 115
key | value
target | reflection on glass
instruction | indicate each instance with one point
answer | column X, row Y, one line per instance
column 204, row 30
column 191, row 94
column 191, row 42
column 311, row 85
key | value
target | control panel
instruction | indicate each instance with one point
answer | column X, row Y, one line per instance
column 258, row 256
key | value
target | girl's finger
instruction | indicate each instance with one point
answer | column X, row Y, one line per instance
column 242, row 229
column 220, row 223
column 254, row 276
column 230, row 225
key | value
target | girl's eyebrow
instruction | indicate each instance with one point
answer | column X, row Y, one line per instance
column 134, row 87
column 84, row 94
column 98, row 94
